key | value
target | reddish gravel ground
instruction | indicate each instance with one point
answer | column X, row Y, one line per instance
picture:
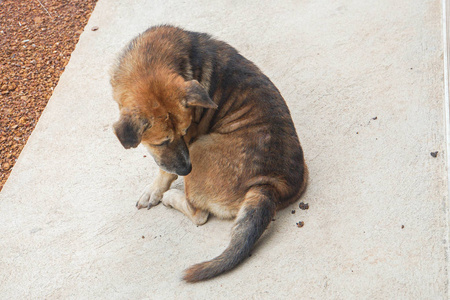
column 36, row 40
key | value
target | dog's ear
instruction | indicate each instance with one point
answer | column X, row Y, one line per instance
column 129, row 129
column 197, row 96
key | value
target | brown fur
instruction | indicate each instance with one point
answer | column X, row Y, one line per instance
column 207, row 113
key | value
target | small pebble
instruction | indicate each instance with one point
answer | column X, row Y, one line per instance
column 95, row 28
column 303, row 206
column 143, row 237
column 434, row 154
column 300, row 224
column 293, row 211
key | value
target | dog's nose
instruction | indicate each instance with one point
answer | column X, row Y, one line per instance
column 128, row 145
column 185, row 171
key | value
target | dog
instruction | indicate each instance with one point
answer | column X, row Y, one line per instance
column 205, row 112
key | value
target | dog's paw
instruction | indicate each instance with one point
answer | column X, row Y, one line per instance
column 149, row 198
column 173, row 198
column 167, row 199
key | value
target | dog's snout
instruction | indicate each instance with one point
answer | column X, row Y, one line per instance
column 129, row 144
column 185, row 171
column 176, row 159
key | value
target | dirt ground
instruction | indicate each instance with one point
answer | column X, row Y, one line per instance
column 37, row 38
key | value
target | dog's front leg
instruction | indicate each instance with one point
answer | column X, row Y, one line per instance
column 153, row 193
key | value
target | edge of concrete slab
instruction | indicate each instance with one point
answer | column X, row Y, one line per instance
column 446, row 45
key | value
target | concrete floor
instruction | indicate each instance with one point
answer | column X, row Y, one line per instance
column 377, row 223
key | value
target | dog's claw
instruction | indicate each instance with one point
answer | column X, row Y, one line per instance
column 139, row 206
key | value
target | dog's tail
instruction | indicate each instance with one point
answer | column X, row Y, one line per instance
column 253, row 218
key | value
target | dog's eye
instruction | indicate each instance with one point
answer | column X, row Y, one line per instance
column 166, row 142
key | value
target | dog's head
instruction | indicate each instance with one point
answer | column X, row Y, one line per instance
column 157, row 112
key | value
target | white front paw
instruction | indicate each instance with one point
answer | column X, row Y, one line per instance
column 149, row 197
column 172, row 197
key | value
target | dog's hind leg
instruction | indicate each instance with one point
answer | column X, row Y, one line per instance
column 153, row 192
column 177, row 199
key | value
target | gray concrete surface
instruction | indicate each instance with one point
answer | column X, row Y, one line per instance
column 377, row 223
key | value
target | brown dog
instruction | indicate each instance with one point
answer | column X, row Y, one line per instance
column 207, row 113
